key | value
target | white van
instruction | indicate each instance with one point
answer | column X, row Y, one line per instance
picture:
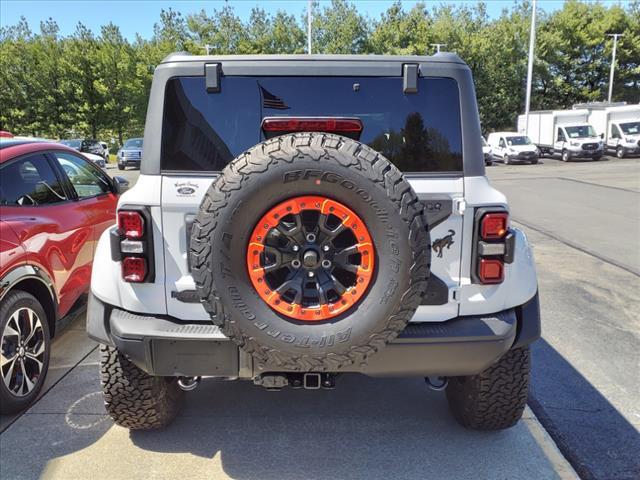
column 566, row 132
column 619, row 126
column 512, row 147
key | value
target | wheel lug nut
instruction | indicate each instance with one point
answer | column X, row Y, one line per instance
column 295, row 248
column 310, row 274
column 325, row 248
column 326, row 264
column 311, row 238
column 295, row 263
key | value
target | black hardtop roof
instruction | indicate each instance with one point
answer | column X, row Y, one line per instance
column 441, row 57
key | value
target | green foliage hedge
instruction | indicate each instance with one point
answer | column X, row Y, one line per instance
column 97, row 85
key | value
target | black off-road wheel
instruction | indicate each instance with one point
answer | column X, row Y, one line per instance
column 494, row 399
column 311, row 252
column 134, row 399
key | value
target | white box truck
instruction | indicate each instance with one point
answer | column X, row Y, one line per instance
column 566, row 132
column 619, row 126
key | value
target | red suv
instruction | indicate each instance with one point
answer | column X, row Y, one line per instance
column 54, row 204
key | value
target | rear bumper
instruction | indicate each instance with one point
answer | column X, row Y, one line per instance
column 460, row 346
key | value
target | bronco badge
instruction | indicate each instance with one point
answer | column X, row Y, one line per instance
column 446, row 241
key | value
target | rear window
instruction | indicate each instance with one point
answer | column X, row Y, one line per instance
column 418, row 132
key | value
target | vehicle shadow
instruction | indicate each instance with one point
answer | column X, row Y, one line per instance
column 365, row 428
column 590, row 432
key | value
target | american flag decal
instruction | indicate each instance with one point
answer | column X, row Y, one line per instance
column 269, row 100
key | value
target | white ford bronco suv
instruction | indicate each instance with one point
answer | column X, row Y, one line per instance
column 302, row 217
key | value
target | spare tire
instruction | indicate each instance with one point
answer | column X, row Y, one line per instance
column 311, row 251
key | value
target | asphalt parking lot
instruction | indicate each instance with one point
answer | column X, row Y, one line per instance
column 584, row 221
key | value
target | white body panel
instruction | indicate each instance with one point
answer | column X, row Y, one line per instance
column 180, row 198
column 543, row 127
column 499, row 143
column 606, row 122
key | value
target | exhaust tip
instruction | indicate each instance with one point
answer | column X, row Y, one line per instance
column 437, row 384
column 188, row 383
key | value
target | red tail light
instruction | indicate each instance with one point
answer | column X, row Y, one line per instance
column 494, row 225
column 281, row 125
column 491, row 271
column 131, row 224
column 134, row 269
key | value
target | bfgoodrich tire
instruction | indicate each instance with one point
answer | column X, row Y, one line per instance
column 320, row 166
column 134, row 399
column 495, row 398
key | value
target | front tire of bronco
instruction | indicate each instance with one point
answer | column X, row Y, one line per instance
column 134, row 399
column 495, row 398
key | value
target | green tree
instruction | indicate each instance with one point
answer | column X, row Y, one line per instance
column 339, row 28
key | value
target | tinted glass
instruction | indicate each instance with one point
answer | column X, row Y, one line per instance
column 86, row 180
column 581, row 131
column 631, row 128
column 30, row 181
column 418, row 132
column 133, row 143
column 520, row 140
column 71, row 143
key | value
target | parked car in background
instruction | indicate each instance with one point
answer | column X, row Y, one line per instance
column 619, row 126
column 5, row 134
column 54, row 205
column 85, row 146
column 512, row 147
column 97, row 159
column 566, row 132
column 487, row 152
column 130, row 154
column 105, row 150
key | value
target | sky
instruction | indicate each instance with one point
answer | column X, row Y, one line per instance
column 138, row 16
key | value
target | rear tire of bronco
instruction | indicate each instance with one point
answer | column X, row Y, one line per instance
column 494, row 399
column 134, row 399
column 332, row 324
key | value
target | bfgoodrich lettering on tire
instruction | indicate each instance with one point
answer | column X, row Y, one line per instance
column 311, row 251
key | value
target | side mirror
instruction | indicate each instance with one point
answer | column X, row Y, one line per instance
column 121, row 184
column 602, row 135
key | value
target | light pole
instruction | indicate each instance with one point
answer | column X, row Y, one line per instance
column 613, row 61
column 207, row 47
column 438, row 46
column 309, row 27
column 532, row 44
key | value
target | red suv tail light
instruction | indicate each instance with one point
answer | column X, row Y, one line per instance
column 134, row 269
column 131, row 224
column 494, row 225
column 491, row 271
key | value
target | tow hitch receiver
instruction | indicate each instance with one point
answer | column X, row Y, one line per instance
column 308, row 381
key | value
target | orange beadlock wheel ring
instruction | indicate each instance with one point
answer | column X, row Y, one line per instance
column 310, row 258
